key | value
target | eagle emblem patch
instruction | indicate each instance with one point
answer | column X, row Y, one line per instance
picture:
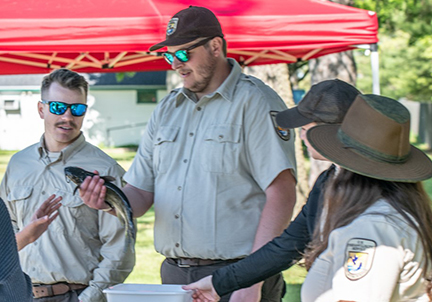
column 172, row 26
column 283, row 133
column 359, row 256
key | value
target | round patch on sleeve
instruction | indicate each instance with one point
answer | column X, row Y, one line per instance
column 359, row 256
column 283, row 133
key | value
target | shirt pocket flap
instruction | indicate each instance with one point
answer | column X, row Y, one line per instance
column 69, row 200
column 166, row 134
column 223, row 133
column 20, row 193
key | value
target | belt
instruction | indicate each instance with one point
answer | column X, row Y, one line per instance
column 49, row 290
column 190, row 262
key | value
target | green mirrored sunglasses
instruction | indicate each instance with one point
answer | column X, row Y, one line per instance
column 183, row 54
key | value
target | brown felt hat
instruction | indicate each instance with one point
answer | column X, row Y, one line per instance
column 326, row 102
column 373, row 140
column 190, row 24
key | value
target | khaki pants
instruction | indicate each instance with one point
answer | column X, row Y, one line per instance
column 272, row 291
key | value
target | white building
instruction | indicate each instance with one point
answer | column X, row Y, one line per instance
column 117, row 115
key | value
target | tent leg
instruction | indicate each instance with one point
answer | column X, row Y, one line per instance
column 375, row 69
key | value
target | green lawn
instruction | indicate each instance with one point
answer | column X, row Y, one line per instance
column 148, row 260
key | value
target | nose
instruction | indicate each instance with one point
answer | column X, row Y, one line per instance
column 303, row 134
column 176, row 63
column 67, row 115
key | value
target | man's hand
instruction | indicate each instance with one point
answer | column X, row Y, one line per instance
column 92, row 191
column 203, row 290
column 40, row 221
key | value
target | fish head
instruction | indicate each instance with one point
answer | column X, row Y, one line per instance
column 76, row 174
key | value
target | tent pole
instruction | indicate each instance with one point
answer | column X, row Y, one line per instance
column 375, row 68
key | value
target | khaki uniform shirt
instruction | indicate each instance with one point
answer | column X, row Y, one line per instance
column 378, row 257
column 209, row 164
column 82, row 245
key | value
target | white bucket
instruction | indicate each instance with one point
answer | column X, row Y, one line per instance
column 147, row 293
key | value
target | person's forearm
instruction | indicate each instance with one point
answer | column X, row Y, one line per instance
column 140, row 200
column 22, row 239
column 277, row 212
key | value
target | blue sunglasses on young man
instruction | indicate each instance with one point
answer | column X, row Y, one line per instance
column 183, row 54
column 59, row 108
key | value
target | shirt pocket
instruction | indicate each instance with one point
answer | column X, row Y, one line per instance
column 163, row 147
column 221, row 148
column 75, row 216
column 19, row 196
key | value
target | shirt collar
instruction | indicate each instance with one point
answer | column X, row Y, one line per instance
column 67, row 151
column 226, row 90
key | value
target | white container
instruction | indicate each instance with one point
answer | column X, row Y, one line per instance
column 147, row 293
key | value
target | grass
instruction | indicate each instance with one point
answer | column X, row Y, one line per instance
column 148, row 261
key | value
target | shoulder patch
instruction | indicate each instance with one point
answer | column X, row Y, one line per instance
column 359, row 254
column 283, row 133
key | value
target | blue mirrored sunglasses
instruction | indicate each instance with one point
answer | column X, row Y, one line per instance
column 183, row 54
column 59, row 108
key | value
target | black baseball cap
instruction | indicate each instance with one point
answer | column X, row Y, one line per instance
column 326, row 102
column 190, row 24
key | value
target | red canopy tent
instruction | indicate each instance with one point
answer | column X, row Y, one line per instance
column 115, row 35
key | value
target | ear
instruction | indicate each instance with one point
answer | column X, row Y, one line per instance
column 217, row 46
column 40, row 110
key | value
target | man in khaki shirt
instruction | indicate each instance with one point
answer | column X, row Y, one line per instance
column 214, row 164
column 83, row 251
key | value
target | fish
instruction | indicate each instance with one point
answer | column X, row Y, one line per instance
column 114, row 197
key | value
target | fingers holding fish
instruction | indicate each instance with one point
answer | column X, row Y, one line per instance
column 92, row 192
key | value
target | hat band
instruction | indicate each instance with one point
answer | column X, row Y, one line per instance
column 368, row 152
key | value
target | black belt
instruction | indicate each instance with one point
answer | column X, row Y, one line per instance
column 49, row 290
column 190, row 262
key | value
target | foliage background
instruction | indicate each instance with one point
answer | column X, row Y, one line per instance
column 405, row 49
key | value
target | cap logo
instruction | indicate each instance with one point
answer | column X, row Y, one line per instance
column 172, row 26
column 283, row 133
column 359, row 257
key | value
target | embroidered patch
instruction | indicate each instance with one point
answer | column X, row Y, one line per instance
column 283, row 133
column 172, row 26
column 359, row 256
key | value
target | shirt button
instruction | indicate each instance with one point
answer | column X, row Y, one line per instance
column 199, row 108
column 159, row 139
column 43, row 192
column 221, row 136
column 185, row 160
column 177, row 244
column 176, row 216
column 179, row 188
column 191, row 134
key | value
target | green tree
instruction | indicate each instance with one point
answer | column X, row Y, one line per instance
column 405, row 32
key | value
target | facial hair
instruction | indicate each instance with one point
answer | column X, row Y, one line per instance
column 205, row 73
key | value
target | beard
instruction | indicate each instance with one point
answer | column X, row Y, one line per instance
column 204, row 74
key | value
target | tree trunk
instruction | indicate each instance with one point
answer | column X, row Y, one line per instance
column 339, row 65
column 277, row 77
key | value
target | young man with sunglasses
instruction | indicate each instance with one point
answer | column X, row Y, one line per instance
column 212, row 161
column 83, row 251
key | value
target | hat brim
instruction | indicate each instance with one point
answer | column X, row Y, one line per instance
column 292, row 118
column 324, row 140
column 172, row 42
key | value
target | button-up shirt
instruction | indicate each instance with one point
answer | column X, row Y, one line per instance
column 82, row 245
column 209, row 162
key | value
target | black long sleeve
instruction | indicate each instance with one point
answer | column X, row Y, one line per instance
column 280, row 253
column 15, row 286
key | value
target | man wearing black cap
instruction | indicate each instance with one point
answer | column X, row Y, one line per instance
column 220, row 173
